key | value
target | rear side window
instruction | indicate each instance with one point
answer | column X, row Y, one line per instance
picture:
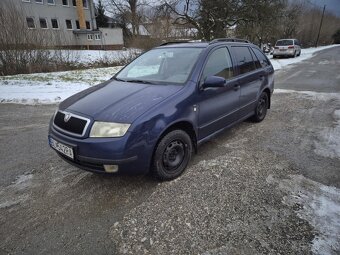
column 244, row 59
column 261, row 57
column 219, row 64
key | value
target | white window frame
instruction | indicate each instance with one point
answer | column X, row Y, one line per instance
column 33, row 23
column 51, row 3
column 45, row 21
column 75, row 6
column 71, row 24
column 57, row 23
column 26, row 1
column 90, row 37
column 68, row 3
column 42, row 1
column 97, row 37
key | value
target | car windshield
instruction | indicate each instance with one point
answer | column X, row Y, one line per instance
column 161, row 66
column 284, row 43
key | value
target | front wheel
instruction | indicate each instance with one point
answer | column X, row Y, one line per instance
column 172, row 155
column 261, row 108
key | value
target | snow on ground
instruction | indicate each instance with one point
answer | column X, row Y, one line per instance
column 328, row 143
column 47, row 88
column 329, row 139
column 305, row 54
column 86, row 57
column 319, row 205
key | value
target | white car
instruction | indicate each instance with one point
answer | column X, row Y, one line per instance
column 287, row 48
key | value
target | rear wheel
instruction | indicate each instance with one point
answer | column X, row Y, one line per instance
column 172, row 155
column 261, row 108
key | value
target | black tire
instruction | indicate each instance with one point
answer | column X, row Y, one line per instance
column 261, row 108
column 172, row 155
column 274, row 56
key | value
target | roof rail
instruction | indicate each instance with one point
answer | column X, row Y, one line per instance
column 174, row 42
column 181, row 41
column 228, row 40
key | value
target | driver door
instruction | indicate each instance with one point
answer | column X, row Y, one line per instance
column 218, row 106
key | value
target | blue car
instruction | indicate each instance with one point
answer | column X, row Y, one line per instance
column 154, row 113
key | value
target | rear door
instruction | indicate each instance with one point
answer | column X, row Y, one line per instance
column 250, row 75
column 218, row 106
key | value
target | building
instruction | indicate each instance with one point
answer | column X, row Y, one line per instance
column 72, row 23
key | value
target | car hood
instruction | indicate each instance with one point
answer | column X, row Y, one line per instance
column 117, row 101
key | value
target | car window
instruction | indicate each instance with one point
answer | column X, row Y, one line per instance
column 284, row 42
column 255, row 59
column 244, row 59
column 261, row 57
column 162, row 65
column 219, row 64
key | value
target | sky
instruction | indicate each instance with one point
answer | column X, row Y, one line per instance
column 331, row 5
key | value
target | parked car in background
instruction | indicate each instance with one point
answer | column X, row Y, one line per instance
column 287, row 48
column 155, row 112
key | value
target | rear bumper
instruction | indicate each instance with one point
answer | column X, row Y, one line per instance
column 91, row 154
column 284, row 53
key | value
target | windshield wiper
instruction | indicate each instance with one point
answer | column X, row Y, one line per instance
column 118, row 79
column 140, row 81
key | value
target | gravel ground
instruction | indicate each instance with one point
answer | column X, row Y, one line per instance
column 229, row 201
column 224, row 203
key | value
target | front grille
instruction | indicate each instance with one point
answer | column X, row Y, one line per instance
column 75, row 125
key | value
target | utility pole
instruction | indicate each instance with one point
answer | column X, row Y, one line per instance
column 317, row 39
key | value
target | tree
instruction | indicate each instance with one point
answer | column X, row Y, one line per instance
column 213, row 18
column 101, row 18
column 336, row 37
column 129, row 12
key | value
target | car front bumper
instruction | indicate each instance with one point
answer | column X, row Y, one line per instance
column 91, row 154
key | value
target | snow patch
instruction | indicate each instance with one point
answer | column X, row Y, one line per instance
column 324, row 96
column 319, row 205
column 50, row 88
column 328, row 144
column 13, row 194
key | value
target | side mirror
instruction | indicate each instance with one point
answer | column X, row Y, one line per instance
column 214, row 82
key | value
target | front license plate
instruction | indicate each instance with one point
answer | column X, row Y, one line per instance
column 62, row 148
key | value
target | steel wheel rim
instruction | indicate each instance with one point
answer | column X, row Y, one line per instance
column 261, row 107
column 174, row 155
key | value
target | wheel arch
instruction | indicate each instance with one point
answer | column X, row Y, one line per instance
column 184, row 125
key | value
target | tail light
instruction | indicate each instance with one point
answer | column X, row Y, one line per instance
column 290, row 47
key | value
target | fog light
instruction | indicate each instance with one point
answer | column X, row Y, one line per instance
column 111, row 168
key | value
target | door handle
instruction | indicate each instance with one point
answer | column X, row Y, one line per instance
column 261, row 77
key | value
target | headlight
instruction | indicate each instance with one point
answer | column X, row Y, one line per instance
column 108, row 129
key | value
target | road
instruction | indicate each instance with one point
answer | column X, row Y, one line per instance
column 245, row 192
